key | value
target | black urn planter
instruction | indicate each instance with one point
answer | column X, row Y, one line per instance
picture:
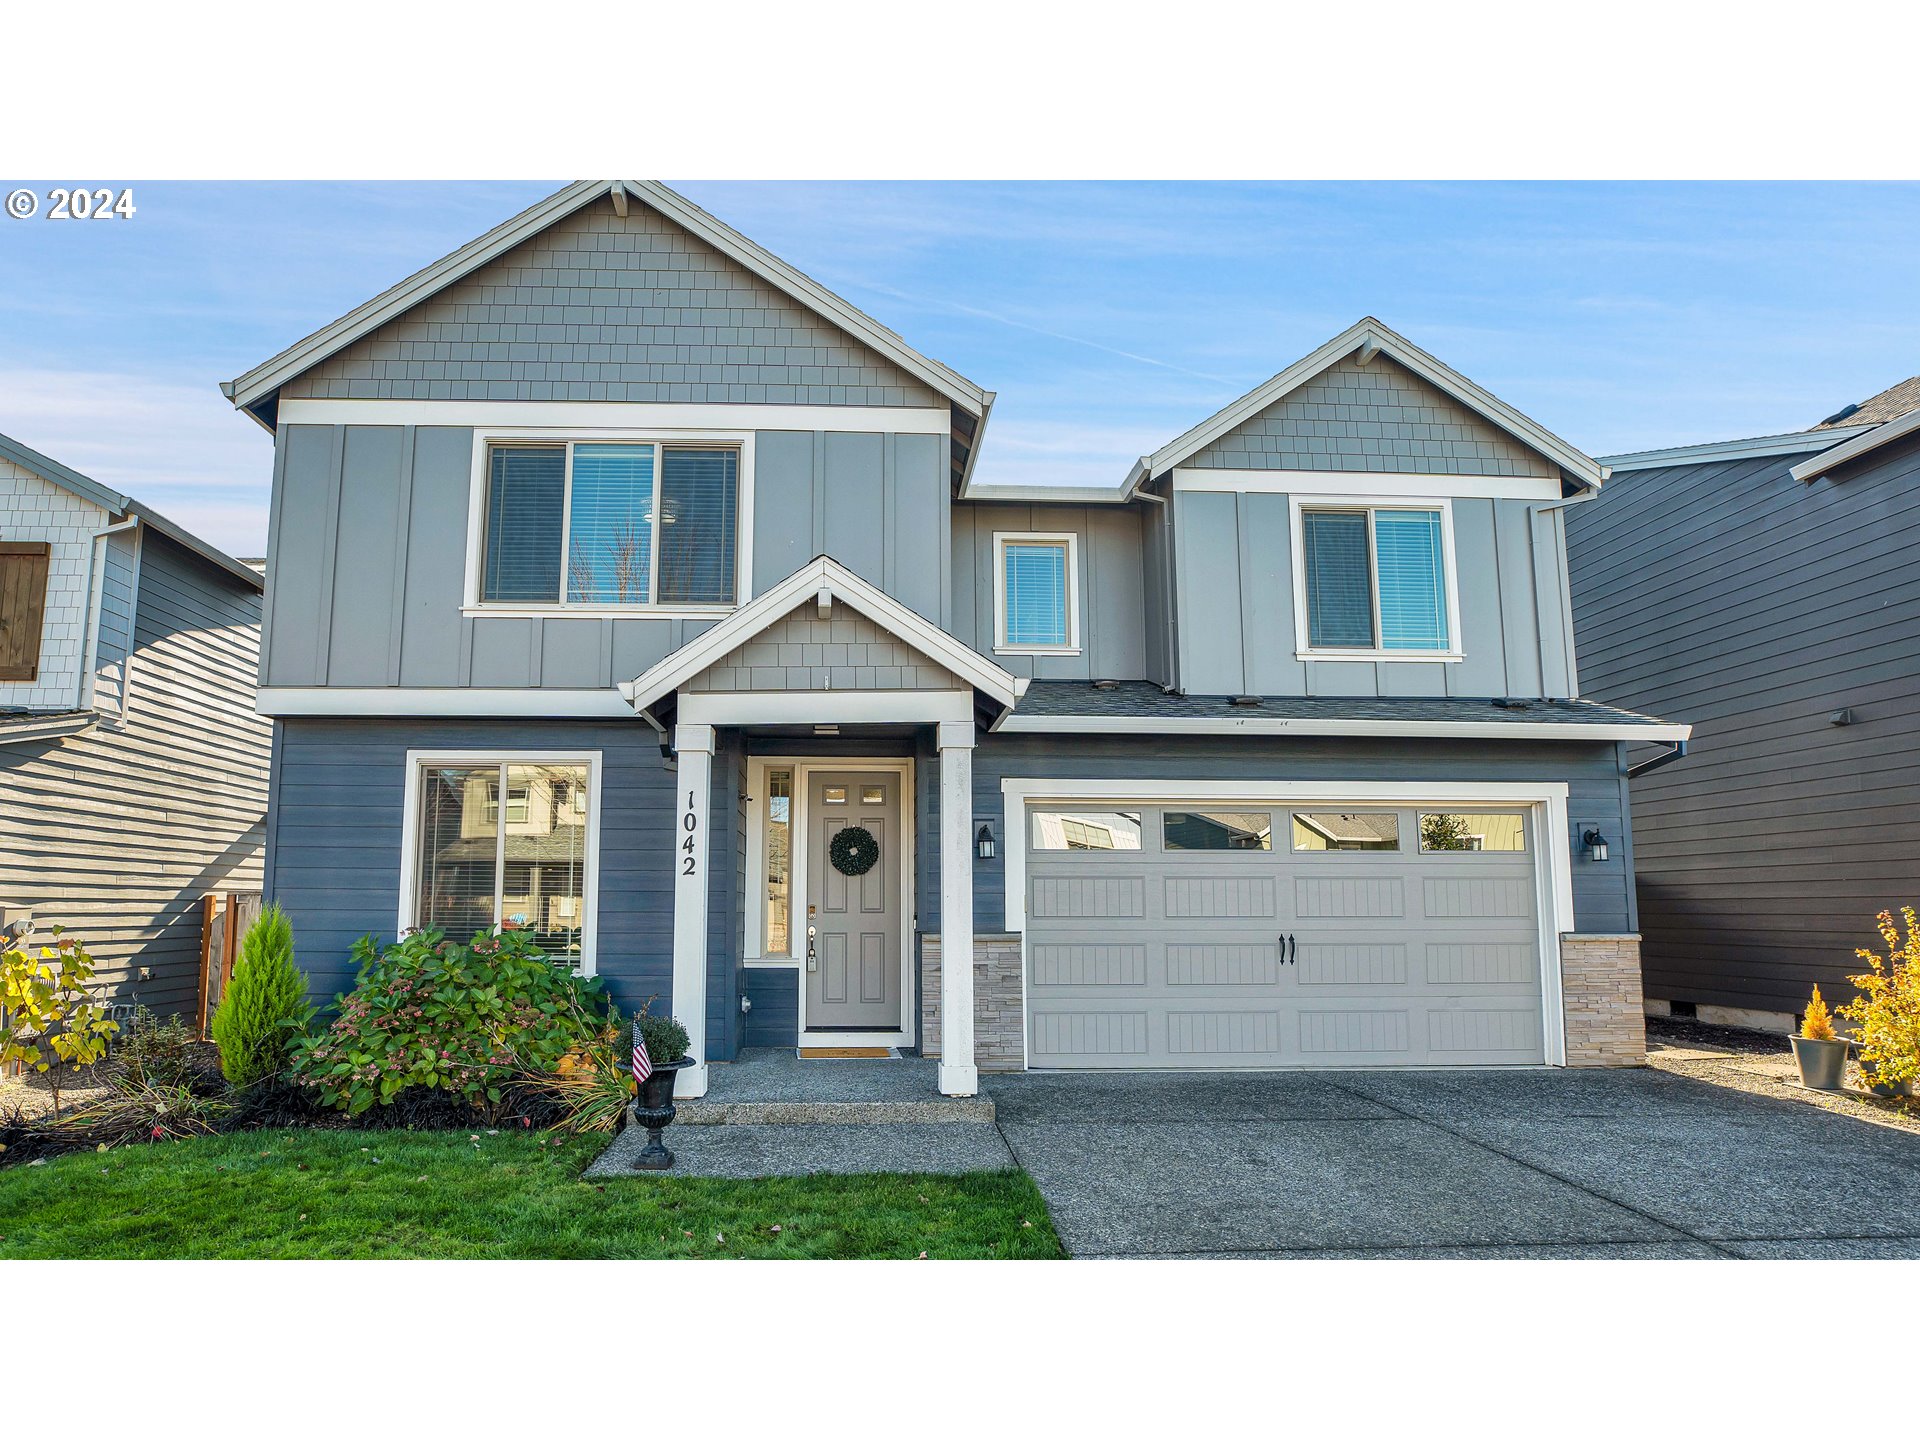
column 653, row 1108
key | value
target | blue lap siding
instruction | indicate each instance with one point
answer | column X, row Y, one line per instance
column 335, row 838
column 335, row 832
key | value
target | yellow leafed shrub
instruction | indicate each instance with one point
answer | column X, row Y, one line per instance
column 1886, row 1016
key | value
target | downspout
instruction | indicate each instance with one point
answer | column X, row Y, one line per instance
column 1592, row 492
column 90, row 651
column 1653, row 763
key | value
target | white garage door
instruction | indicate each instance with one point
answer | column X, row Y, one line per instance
column 1193, row 936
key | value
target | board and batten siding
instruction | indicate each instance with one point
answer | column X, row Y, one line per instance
column 367, row 574
column 1111, row 580
column 334, row 841
column 1594, row 772
column 1233, row 576
column 1752, row 605
column 117, row 831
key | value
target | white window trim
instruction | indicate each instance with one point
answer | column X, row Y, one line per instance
column 419, row 760
column 1303, row 650
column 1545, row 803
column 485, row 439
column 1004, row 538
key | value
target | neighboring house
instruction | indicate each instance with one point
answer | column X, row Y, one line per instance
column 133, row 767
column 615, row 544
column 1768, row 592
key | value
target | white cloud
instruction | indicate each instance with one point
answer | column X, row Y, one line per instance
column 180, row 449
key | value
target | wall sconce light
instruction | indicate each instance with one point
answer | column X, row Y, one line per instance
column 1596, row 844
column 983, row 845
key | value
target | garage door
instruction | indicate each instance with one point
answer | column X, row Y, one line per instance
column 1187, row 937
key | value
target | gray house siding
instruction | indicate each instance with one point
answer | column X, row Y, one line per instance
column 1373, row 417
column 367, row 573
column 1734, row 597
column 597, row 307
column 1112, row 586
column 1233, row 577
column 335, row 838
column 117, row 831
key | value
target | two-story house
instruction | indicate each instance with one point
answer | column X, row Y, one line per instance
column 626, row 580
column 133, row 765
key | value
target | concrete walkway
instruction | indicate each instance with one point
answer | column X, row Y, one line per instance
column 1614, row 1164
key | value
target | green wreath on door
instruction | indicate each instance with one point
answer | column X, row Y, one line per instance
column 853, row 850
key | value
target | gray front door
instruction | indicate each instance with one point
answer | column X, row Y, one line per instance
column 852, row 937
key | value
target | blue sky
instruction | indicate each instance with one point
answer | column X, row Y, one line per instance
column 1109, row 317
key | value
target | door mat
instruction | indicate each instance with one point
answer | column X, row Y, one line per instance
column 848, row 1052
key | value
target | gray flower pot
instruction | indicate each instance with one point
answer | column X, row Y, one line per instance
column 1823, row 1063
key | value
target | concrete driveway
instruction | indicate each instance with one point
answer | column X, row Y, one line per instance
column 1612, row 1164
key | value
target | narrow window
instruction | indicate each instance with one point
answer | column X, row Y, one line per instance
column 1036, row 593
column 610, row 525
column 526, row 498
column 1339, row 580
column 478, row 867
column 697, row 498
column 1413, row 602
column 779, row 845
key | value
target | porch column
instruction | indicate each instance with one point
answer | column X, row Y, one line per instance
column 691, row 853
column 957, row 1073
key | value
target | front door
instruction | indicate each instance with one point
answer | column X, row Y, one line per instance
column 851, row 937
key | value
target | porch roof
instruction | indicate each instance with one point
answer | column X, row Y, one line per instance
column 825, row 582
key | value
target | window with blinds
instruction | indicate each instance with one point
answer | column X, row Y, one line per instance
column 481, row 863
column 1375, row 579
column 591, row 523
column 23, row 606
column 1036, row 593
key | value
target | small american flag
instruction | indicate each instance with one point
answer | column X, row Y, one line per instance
column 642, row 1062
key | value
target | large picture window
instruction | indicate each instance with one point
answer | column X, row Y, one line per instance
column 477, row 863
column 1375, row 580
column 601, row 523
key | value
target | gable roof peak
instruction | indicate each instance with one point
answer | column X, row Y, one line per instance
column 257, row 387
column 1362, row 341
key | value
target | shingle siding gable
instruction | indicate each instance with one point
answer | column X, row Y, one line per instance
column 1377, row 417
column 598, row 307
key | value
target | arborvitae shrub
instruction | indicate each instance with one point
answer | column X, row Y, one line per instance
column 265, row 1004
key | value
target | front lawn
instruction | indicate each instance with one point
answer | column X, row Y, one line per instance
column 346, row 1194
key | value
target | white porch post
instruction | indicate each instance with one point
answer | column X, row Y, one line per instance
column 691, row 854
column 957, row 1073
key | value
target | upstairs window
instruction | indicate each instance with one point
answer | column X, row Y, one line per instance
column 611, row 524
column 1375, row 579
column 1036, row 601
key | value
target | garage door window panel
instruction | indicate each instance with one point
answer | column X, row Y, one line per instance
column 1092, row 830
column 1354, row 831
column 1500, row 832
column 1217, row 830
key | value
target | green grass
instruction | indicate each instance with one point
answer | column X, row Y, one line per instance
column 313, row 1194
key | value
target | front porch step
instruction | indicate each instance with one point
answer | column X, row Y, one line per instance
column 936, row 1111
column 782, row 1087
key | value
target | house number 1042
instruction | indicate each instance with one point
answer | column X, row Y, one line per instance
column 690, row 823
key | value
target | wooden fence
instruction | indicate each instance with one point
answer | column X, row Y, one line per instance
column 224, row 919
